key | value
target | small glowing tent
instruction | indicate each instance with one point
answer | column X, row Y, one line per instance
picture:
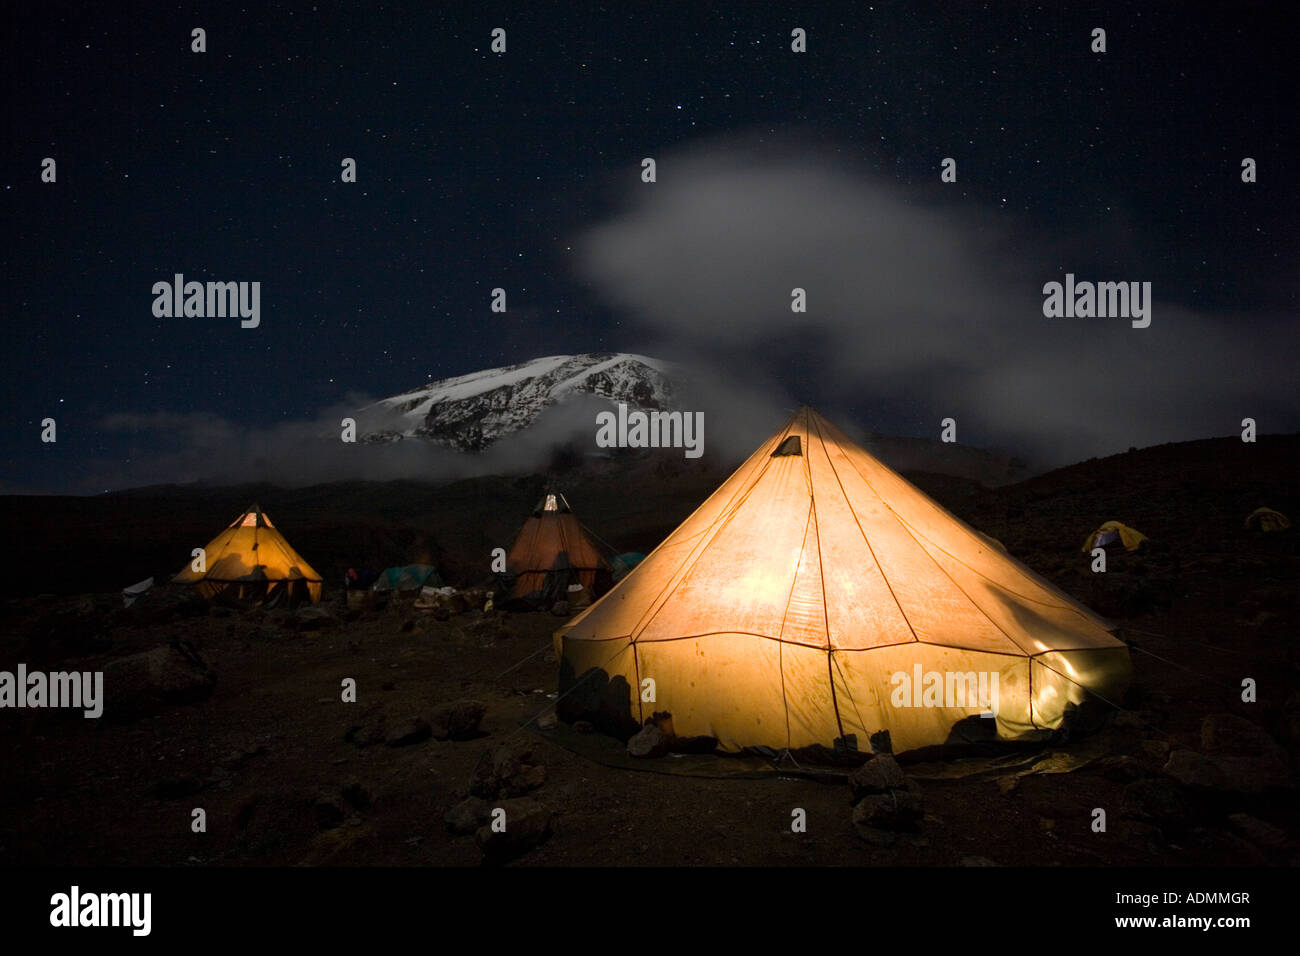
column 1266, row 519
column 1113, row 532
column 552, row 551
column 816, row 595
column 252, row 562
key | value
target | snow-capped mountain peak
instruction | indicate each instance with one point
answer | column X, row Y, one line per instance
column 472, row 411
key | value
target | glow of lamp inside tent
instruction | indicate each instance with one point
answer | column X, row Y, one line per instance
column 766, row 583
column 1046, row 695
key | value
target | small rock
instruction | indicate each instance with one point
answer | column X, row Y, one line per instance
column 486, row 629
column 1257, row 831
column 1132, row 720
column 526, row 824
column 1123, row 769
column 1157, row 750
column 648, row 742
column 1195, row 770
column 880, row 774
column 459, row 720
column 876, row 837
column 371, row 730
column 1235, row 736
column 895, row 810
column 547, row 721
column 1251, row 760
column 508, row 770
column 468, row 815
column 583, row 726
column 413, row 730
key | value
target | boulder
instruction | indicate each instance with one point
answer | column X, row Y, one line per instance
column 143, row 684
column 524, row 824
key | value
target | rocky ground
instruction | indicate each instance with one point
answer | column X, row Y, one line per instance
column 244, row 719
column 287, row 773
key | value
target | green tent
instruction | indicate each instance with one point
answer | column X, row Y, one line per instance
column 410, row 578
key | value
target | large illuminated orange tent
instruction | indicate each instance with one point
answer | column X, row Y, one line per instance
column 817, row 594
column 251, row 561
column 552, row 551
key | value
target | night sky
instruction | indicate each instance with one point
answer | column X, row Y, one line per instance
column 522, row 170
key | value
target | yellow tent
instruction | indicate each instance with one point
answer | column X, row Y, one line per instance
column 1266, row 519
column 818, row 594
column 1111, row 532
column 251, row 561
